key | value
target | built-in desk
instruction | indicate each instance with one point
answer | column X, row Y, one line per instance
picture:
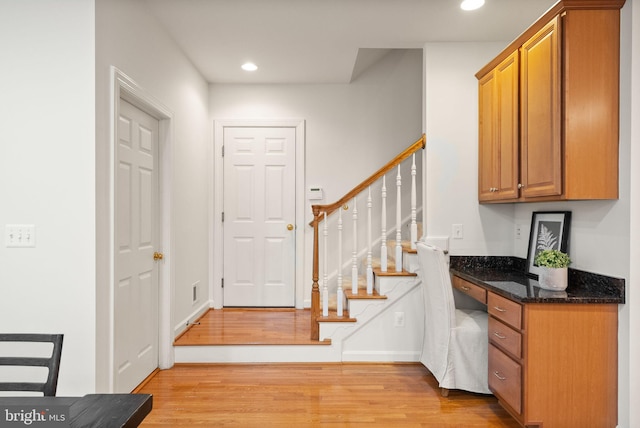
column 552, row 355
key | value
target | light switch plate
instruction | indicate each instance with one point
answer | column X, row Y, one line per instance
column 19, row 235
column 457, row 231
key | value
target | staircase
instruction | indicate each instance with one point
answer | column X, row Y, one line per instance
column 376, row 313
column 383, row 327
column 322, row 215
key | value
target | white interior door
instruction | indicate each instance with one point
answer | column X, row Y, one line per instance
column 136, row 238
column 259, row 216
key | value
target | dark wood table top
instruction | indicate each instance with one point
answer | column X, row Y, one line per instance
column 93, row 410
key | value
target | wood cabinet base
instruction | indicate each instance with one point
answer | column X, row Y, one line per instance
column 569, row 367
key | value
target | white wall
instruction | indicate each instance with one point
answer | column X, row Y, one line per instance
column 371, row 120
column 47, row 177
column 602, row 232
column 128, row 38
column 451, row 117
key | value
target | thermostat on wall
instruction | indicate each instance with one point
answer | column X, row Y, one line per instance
column 315, row 193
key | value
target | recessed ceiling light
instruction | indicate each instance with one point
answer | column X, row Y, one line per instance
column 471, row 4
column 249, row 66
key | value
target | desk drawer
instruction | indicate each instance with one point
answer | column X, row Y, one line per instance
column 470, row 289
column 505, row 337
column 505, row 310
column 505, row 378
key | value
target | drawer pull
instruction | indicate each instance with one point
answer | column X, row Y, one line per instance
column 499, row 309
column 497, row 374
column 464, row 288
column 499, row 336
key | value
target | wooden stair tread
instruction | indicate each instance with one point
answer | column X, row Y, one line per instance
column 406, row 247
column 333, row 317
column 362, row 294
column 392, row 272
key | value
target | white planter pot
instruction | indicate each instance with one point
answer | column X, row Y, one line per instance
column 553, row 278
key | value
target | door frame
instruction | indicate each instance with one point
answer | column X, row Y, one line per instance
column 123, row 87
column 216, row 189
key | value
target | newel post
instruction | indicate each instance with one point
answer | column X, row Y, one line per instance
column 315, row 289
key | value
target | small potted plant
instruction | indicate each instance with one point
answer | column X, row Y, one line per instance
column 553, row 266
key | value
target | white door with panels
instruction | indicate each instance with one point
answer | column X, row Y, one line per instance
column 259, row 216
column 136, row 238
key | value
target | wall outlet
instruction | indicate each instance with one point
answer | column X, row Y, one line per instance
column 195, row 287
column 518, row 232
column 398, row 319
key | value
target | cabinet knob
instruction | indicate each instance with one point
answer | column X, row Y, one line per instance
column 520, row 186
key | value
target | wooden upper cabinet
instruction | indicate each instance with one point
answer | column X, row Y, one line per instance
column 591, row 96
column 540, row 113
column 553, row 129
column 487, row 156
column 498, row 139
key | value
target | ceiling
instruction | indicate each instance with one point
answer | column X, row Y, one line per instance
column 325, row 41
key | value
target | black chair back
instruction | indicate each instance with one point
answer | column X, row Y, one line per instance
column 48, row 388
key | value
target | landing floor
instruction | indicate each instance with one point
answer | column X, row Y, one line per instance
column 250, row 326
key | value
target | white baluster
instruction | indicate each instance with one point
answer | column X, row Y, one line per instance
column 340, row 293
column 369, row 267
column 383, row 245
column 414, row 225
column 354, row 254
column 399, row 222
column 325, row 278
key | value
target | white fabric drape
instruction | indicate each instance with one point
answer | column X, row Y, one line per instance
column 455, row 340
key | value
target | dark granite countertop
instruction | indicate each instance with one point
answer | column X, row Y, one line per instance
column 506, row 276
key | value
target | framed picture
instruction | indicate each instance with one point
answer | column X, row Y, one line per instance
column 549, row 230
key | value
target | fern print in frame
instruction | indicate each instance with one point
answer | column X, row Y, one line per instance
column 549, row 231
column 548, row 235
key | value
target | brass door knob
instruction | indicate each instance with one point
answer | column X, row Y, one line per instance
column 289, row 226
column 158, row 256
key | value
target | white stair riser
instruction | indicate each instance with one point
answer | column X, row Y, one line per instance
column 410, row 262
column 258, row 354
column 385, row 285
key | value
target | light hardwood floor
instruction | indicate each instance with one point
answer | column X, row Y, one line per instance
column 249, row 326
column 313, row 395
column 302, row 394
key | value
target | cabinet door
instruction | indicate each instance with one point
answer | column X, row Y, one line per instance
column 507, row 126
column 541, row 114
column 487, row 149
column 498, row 136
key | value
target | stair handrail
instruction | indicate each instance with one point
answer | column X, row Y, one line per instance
column 319, row 212
column 330, row 208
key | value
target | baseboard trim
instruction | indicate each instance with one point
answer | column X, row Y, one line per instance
column 381, row 356
column 182, row 327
